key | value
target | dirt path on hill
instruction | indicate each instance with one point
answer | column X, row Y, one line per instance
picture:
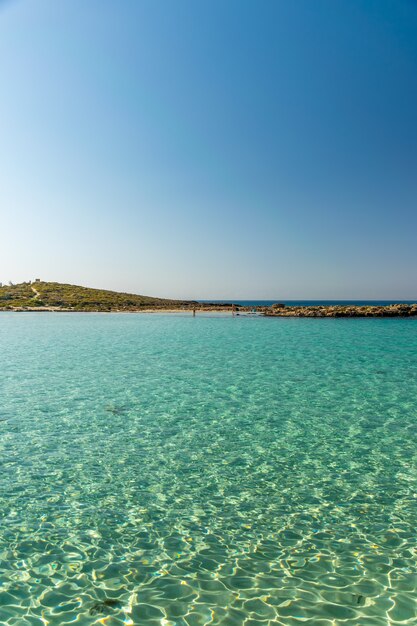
column 36, row 292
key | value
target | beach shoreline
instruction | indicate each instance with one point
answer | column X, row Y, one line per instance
column 148, row 310
column 329, row 311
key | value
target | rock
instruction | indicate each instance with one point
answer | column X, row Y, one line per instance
column 393, row 310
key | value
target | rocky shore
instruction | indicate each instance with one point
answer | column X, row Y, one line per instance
column 392, row 310
column 42, row 296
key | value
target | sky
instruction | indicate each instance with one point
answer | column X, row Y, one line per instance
column 212, row 149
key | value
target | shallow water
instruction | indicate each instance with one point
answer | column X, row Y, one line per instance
column 165, row 470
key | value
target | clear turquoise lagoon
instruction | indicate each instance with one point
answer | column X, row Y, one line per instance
column 161, row 470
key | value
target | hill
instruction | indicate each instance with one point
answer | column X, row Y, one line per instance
column 41, row 295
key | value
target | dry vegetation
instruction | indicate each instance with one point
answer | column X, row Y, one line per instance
column 75, row 298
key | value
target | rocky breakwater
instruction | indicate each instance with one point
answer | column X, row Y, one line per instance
column 391, row 310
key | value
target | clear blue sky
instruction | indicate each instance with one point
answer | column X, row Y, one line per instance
column 211, row 149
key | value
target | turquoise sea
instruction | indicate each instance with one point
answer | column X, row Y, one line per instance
column 164, row 470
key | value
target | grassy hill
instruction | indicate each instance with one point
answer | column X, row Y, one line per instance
column 40, row 295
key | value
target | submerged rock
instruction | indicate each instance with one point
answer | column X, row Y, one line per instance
column 105, row 606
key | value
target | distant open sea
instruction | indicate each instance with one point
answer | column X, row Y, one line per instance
column 311, row 302
column 216, row 470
